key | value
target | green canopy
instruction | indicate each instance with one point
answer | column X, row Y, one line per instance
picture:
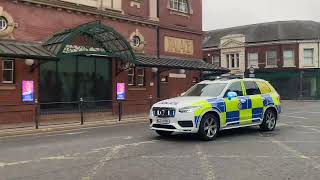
column 92, row 38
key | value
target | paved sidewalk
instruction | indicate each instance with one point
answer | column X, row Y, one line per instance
column 46, row 127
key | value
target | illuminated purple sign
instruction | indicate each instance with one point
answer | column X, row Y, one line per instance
column 27, row 91
column 121, row 91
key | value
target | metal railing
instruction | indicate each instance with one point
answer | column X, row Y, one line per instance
column 39, row 115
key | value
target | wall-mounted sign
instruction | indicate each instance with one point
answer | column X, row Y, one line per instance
column 179, row 76
column 121, row 91
column 178, row 45
column 27, row 91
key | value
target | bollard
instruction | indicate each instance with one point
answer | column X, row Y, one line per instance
column 120, row 110
column 36, row 114
column 81, row 111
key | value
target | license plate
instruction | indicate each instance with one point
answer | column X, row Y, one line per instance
column 163, row 121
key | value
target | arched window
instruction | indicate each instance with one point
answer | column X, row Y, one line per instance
column 180, row 5
column 3, row 23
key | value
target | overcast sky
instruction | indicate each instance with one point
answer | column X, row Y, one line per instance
column 219, row 14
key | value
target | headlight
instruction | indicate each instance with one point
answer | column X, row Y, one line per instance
column 189, row 109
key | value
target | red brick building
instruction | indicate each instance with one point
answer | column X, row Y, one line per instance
column 158, row 36
column 284, row 52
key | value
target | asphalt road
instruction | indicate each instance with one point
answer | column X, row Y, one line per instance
column 133, row 152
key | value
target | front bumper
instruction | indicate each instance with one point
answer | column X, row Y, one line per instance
column 175, row 124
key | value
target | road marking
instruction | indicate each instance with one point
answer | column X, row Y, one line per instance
column 76, row 133
column 297, row 153
column 297, row 117
column 205, row 165
column 110, row 155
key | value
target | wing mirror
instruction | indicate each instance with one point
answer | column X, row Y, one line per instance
column 231, row 95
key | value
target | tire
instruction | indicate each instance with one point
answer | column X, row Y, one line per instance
column 209, row 127
column 269, row 121
column 164, row 133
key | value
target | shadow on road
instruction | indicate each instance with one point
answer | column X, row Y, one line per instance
column 226, row 134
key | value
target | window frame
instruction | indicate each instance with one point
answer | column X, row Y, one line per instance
column 249, row 60
column 227, row 90
column 176, row 4
column 233, row 60
column 131, row 75
column 215, row 60
column 256, row 86
column 4, row 22
column 285, row 59
column 140, row 76
column 275, row 58
column 135, row 77
column 312, row 57
column 12, row 71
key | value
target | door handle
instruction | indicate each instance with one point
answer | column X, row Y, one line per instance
column 242, row 100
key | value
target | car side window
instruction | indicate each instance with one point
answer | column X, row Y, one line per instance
column 235, row 87
column 251, row 88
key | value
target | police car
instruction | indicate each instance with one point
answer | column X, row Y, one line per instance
column 211, row 106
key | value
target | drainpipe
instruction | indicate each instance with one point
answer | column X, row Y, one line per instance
column 158, row 50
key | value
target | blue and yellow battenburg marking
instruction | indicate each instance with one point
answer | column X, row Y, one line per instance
column 238, row 111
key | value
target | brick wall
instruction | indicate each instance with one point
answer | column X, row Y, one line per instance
column 279, row 48
column 36, row 23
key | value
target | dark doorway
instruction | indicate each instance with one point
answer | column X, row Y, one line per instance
column 75, row 77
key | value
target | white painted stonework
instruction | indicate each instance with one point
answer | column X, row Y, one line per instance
column 316, row 56
column 108, row 4
column 230, row 44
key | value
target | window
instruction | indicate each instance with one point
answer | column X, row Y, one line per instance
column 233, row 61
column 253, row 60
column 179, row 5
column 136, row 77
column 271, row 57
column 235, row 87
column 215, row 60
column 212, row 90
column 131, row 77
column 136, row 41
column 140, row 76
column 288, row 58
column 3, row 23
column 251, row 88
column 7, row 71
column 308, row 57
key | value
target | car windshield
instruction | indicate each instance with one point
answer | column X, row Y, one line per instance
column 213, row 90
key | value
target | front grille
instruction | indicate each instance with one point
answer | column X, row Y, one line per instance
column 185, row 123
column 163, row 112
column 163, row 126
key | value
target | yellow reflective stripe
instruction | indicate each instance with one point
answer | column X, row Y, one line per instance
column 244, row 91
column 256, row 101
column 264, row 88
column 231, row 105
column 245, row 116
column 205, row 106
column 223, row 119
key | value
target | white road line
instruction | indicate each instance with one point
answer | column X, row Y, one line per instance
column 205, row 165
column 76, row 133
column 110, row 155
column 297, row 117
column 296, row 153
